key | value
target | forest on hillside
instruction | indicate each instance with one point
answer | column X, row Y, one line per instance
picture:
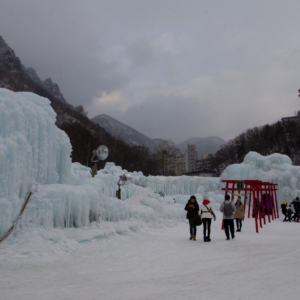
column 281, row 137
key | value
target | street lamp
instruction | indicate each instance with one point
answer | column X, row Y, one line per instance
column 100, row 154
column 124, row 180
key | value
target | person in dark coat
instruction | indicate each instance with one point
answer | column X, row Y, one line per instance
column 192, row 208
column 284, row 210
column 296, row 204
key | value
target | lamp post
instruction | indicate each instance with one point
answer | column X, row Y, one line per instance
column 124, row 180
column 100, row 154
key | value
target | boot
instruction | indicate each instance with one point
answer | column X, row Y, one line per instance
column 208, row 239
column 194, row 238
column 191, row 237
column 204, row 238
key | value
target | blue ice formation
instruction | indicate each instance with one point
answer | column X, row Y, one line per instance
column 275, row 168
column 35, row 153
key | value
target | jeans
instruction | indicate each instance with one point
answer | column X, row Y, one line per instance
column 238, row 223
column 206, row 225
column 193, row 228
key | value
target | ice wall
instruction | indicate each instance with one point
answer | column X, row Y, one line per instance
column 275, row 168
column 34, row 152
column 32, row 149
column 171, row 185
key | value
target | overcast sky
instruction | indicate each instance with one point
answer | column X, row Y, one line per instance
column 171, row 69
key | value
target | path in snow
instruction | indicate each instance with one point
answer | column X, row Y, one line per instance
column 164, row 264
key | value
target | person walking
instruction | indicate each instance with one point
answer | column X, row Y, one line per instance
column 296, row 205
column 284, row 211
column 239, row 215
column 192, row 208
column 207, row 213
column 228, row 208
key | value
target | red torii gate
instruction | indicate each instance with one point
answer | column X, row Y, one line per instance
column 255, row 188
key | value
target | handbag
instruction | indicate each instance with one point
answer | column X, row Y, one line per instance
column 196, row 220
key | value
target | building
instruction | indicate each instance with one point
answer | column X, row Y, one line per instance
column 177, row 165
column 294, row 118
column 202, row 173
column 205, row 155
column 190, row 158
column 203, row 164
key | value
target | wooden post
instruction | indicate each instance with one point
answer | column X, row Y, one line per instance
column 272, row 203
column 249, row 208
column 264, row 216
column 119, row 192
column 255, row 210
column 267, row 202
column 94, row 170
column 245, row 197
column 274, row 189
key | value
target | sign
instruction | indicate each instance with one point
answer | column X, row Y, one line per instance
column 240, row 185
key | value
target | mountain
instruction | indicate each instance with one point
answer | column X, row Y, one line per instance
column 131, row 136
column 50, row 86
column 14, row 76
column 85, row 136
column 210, row 144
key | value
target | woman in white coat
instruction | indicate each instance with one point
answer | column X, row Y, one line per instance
column 207, row 213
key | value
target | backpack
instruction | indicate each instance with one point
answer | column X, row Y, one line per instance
column 228, row 210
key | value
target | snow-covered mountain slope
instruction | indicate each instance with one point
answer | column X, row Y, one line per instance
column 210, row 144
column 125, row 132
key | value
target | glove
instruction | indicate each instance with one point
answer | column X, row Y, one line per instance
column 215, row 218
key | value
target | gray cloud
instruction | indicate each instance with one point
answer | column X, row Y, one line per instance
column 141, row 54
column 54, row 38
column 171, row 69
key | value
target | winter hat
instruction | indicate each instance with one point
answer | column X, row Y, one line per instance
column 285, row 202
column 297, row 198
column 205, row 200
column 193, row 197
column 227, row 197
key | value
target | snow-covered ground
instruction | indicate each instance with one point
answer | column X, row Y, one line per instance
column 157, row 261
